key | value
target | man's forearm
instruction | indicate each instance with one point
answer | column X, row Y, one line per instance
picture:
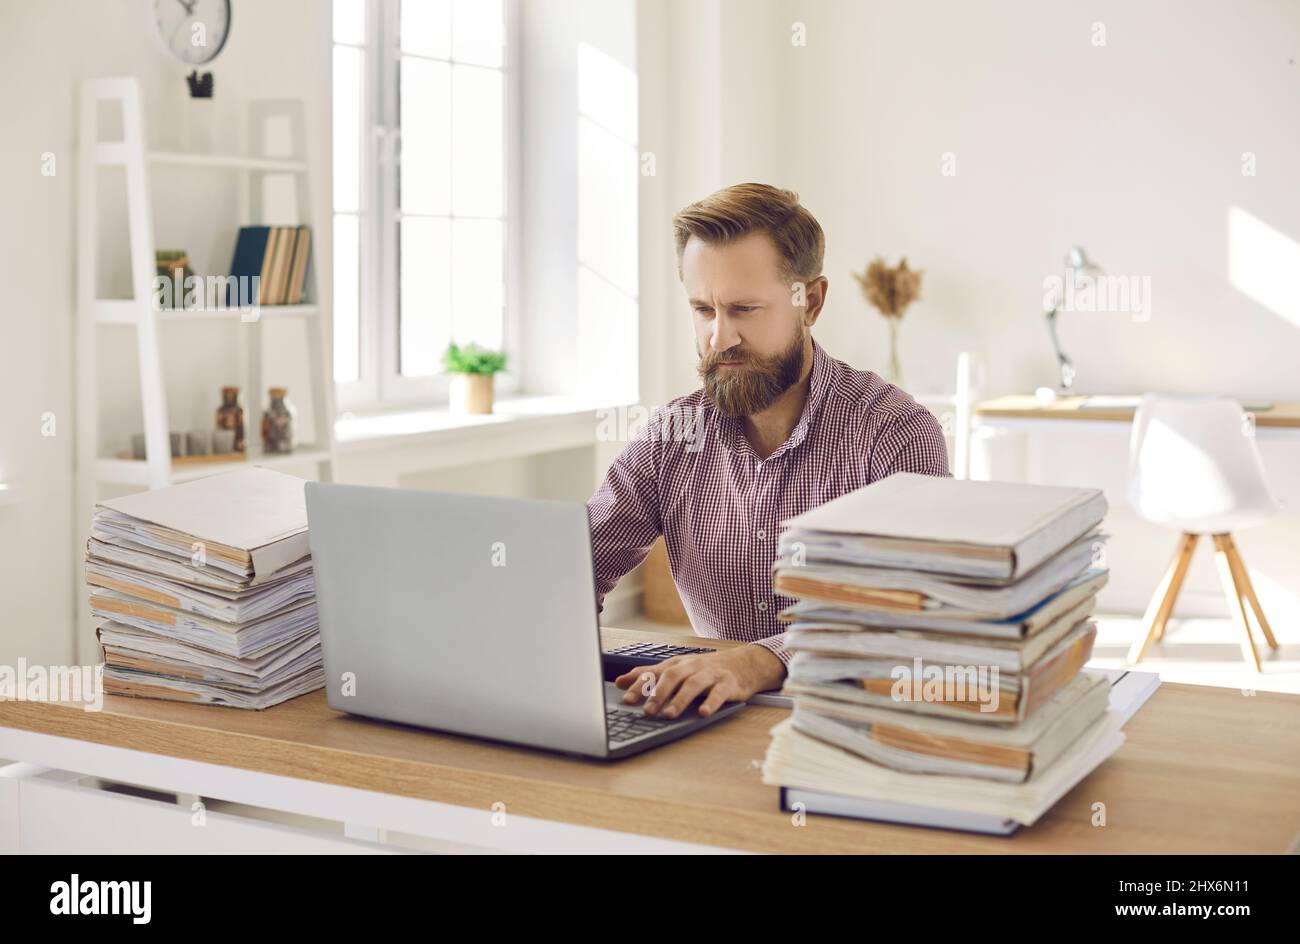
column 767, row 668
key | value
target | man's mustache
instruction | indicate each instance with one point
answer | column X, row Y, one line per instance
column 710, row 362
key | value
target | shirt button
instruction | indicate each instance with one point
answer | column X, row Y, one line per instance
column 762, row 605
column 760, row 534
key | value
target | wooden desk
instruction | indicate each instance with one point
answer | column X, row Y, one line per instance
column 1283, row 413
column 1203, row 770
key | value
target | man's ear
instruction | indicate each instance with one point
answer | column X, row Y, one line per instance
column 815, row 296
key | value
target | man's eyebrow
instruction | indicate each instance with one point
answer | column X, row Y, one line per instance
column 739, row 301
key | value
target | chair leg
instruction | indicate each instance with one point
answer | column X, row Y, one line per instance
column 1186, row 549
column 1235, row 602
column 1162, row 603
column 1247, row 590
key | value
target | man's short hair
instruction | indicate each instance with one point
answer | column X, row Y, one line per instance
column 751, row 208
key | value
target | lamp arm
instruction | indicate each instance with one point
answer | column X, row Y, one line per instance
column 1066, row 365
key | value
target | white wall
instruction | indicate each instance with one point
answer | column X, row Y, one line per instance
column 1132, row 149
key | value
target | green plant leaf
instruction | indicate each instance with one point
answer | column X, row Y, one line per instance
column 472, row 359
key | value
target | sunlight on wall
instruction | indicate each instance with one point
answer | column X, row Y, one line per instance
column 1262, row 264
column 607, row 224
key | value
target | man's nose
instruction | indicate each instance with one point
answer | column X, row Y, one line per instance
column 724, row 336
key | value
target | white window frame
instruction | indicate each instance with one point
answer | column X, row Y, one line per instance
column 381, row 385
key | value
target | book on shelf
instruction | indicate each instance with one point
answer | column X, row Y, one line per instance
column 280, row 275
column 279, row 256
column 298, row 274
column 268, row 280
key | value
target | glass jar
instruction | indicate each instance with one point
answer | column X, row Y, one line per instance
column 279, row 421
column 230, row 416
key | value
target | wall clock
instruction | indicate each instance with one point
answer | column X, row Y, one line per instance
column 194, row 31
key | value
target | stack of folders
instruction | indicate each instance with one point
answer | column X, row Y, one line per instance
column 208, row 592
column 938, row 636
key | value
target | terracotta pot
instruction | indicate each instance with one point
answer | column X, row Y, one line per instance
column 471, row 393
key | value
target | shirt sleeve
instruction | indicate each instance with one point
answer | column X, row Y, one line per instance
column 624, row 515
column 775, row 645
column 913, row 443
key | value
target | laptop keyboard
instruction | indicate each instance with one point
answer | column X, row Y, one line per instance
column 616, row 662
column 624, row 724
column 655, row 652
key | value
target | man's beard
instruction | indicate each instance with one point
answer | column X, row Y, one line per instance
column 755, row 385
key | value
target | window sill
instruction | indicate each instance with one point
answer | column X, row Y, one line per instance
column 571, row 419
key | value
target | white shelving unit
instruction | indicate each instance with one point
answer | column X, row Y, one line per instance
column 95, row 314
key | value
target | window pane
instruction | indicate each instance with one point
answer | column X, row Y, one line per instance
column 477, row 32
column 425, row 119
column 347, row 127
column 425, row 294
column 478, row 281
column 426, row 27
column 350, row 21
column 477, row 142
column 347, row 298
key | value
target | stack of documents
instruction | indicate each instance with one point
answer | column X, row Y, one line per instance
column 208, row 592
column 938, row 636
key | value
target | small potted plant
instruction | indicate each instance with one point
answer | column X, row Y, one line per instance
column 471, row 368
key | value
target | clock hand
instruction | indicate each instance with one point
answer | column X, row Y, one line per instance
column 171, row 42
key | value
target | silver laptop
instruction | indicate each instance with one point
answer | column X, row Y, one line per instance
column 471, row 615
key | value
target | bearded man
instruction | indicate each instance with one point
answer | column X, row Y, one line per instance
column 779, row 427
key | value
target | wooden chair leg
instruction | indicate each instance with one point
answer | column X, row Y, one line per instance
column 1162, row 603
column 1247, row 590
column 1186, row 550
column 1235, row 603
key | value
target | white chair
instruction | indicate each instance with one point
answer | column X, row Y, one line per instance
column 1194, row 466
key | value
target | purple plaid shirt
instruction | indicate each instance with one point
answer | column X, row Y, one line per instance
column 693, row 477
